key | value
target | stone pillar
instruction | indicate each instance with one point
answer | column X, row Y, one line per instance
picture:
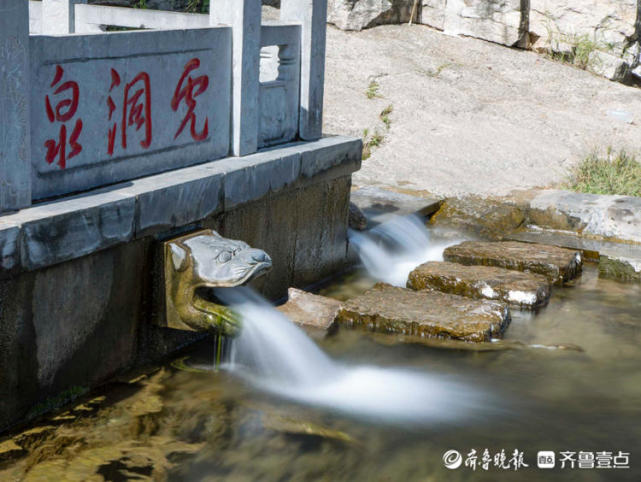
column 312, row 14
column 244, row 17
column 15, row 157
column 58, row 16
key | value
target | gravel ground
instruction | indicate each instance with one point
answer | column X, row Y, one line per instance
column 469, row 116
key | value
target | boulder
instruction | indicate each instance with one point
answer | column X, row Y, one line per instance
column 606, row 23
column 316, row 314
column 525, row 290
column 360, row 14
column 493, row 20
column 558, row 265
column 489, row 218
column 393, row 310
column 433, row 13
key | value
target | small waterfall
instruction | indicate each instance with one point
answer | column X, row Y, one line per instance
column 278, row 357
column 390, row 251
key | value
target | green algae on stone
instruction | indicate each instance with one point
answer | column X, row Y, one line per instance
column 559, row 265
column 393, row 310
column 525, row 290
column 620, row 269
column 487, row 217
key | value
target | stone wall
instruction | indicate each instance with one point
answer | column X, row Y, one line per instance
column 597, row 35
column 360, row 14
column 75, row 321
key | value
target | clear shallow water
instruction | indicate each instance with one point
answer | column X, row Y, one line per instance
column 184, row 425
column 279, row 358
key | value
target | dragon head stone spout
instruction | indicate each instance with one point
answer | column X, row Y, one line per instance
column 207, row 260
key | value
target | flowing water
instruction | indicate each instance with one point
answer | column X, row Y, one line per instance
column 278, row 357
column 391, row 250
column 349, row 407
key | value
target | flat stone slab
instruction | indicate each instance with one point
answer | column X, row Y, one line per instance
column 380, row 204
column 617, row 218
column 517, row 288
column 393, row 310
column 558, row 265
column 312, row 312
column 620, row 261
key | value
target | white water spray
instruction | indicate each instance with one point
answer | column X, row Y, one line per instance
column 390, row 251
column 278, row 357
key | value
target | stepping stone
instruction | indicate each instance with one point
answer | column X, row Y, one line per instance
column 316, row 314
column 393, row 310
column 525, row 290
column 558, row 265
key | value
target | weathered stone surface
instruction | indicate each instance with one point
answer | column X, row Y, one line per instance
column 394, row 310
column 15, row 88
column 559, row 265
column 620, row 261
column 614, row 217
column 517, row 288
column 620, row 267
column 433, row 13
column 160, row 141
column 312, row 15
column 311, row 311
column 357, row 220
column 360, row 14
column 609, row 66
column 279, row 84
column 76, row 226
column 607, row 23
column 244, row 18
column 494, row 20
column 380, row 205
column 487, row 217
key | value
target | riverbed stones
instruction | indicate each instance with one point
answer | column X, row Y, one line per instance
column 314, row 313
column 558, row 265
column 393, row 310
column 525, row 290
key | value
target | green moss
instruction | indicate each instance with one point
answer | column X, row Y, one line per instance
column 372, row 90
column 616, row 173
column 370, row 142
column 385, row 116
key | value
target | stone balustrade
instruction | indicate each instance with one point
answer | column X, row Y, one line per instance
column 84, row 108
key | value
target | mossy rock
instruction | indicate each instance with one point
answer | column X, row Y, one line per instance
column 524, row 290
column 393, row 310
column 558, row 265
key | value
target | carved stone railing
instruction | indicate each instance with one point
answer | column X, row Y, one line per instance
column 82, row 108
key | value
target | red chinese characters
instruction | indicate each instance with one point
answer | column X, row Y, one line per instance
column 62, row 113
column 136, row 110
column 187, row 90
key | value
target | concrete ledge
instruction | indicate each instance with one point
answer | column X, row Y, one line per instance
column 72, row 227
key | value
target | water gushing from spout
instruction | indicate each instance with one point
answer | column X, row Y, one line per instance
column 278, row 357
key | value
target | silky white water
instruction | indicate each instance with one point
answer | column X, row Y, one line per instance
column 390, row 251
column 278, row 357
